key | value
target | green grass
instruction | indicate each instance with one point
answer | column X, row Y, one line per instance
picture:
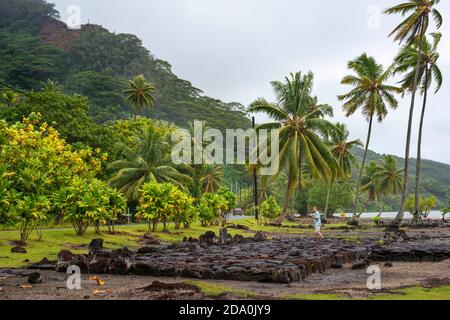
column 318, row 296
column 417, row 293
column 414, row 293
column 56, row 239
column 214, row 289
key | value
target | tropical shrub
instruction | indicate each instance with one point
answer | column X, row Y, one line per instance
column 38, row 164
column 228, row 203
column 31, row 210
column 85, row 202
column 117, row 203
column 210, row 209
column 163, row 202
column 425, row 205
column 270, row 209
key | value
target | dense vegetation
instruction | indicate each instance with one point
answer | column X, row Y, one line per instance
column 87, row 118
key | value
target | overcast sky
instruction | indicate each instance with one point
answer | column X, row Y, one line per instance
column 232, row 49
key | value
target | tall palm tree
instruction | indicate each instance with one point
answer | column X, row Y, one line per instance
column 212, row 179
column 429, row 73
column 301, row 131
column 341, row 148
column 151, row 163
column 413, row 27
column 372, row 95
column 140, row 94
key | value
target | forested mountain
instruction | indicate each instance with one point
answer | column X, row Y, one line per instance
column 35, row 46
column 435, row 175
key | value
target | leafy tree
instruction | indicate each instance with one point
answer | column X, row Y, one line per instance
column 429, row 73
column 414, row 26
column 67, row 114
column 26, row 61
column 140, row 94
column 85, row 202
column 270, row 209
column 372, row 95
column 301, row 131
column 8, row 195
column 211, row 208
column 38, row 163
column 425, row 205
column 31, row 210
column 116, row 205
column 229, row 203
column 163, row 202
column 26, row 15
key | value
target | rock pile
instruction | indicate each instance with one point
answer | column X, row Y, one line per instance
column 281, row 261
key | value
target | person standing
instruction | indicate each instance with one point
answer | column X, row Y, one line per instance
column 317, row 222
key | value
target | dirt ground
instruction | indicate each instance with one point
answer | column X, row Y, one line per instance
column 351, row 283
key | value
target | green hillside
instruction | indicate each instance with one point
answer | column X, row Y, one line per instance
column 435, row 175
column 35, row 46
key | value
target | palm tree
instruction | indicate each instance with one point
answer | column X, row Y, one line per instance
column 301, row 131
column 51, row 86
column 10, row 98
column 369, row 185
column 140, row 94
column 413, row 27
column 372, row 95
column 429, row 72
column 151, row 163
column 341, row 148
column 212, row 179
column 389, row 177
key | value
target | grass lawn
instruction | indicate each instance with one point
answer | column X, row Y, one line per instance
column 414, row 293
column 65, row 238
column 127, row 236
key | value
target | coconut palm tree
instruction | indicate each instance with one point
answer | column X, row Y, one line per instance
column 413, row 27
column 51, row 86
column 369, row 185
column 372, row 95
column 429, row 73
column 389, row 177
column 212, row 179
column 341, row 148
column 10, row 98
column 151, row 163
column 301, row 131
column 140, row 94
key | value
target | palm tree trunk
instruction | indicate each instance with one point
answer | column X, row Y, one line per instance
column 327, row 201
column 286, row 202
column 419, row 147
column 361, row 171
column 401, row 212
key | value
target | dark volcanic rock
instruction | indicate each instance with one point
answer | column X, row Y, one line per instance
column 35, row 278
column 96, row 245
column 19, row 250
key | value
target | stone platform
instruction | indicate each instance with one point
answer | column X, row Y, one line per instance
column 279, row 261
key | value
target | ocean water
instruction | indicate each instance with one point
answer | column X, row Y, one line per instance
column 435, row 215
